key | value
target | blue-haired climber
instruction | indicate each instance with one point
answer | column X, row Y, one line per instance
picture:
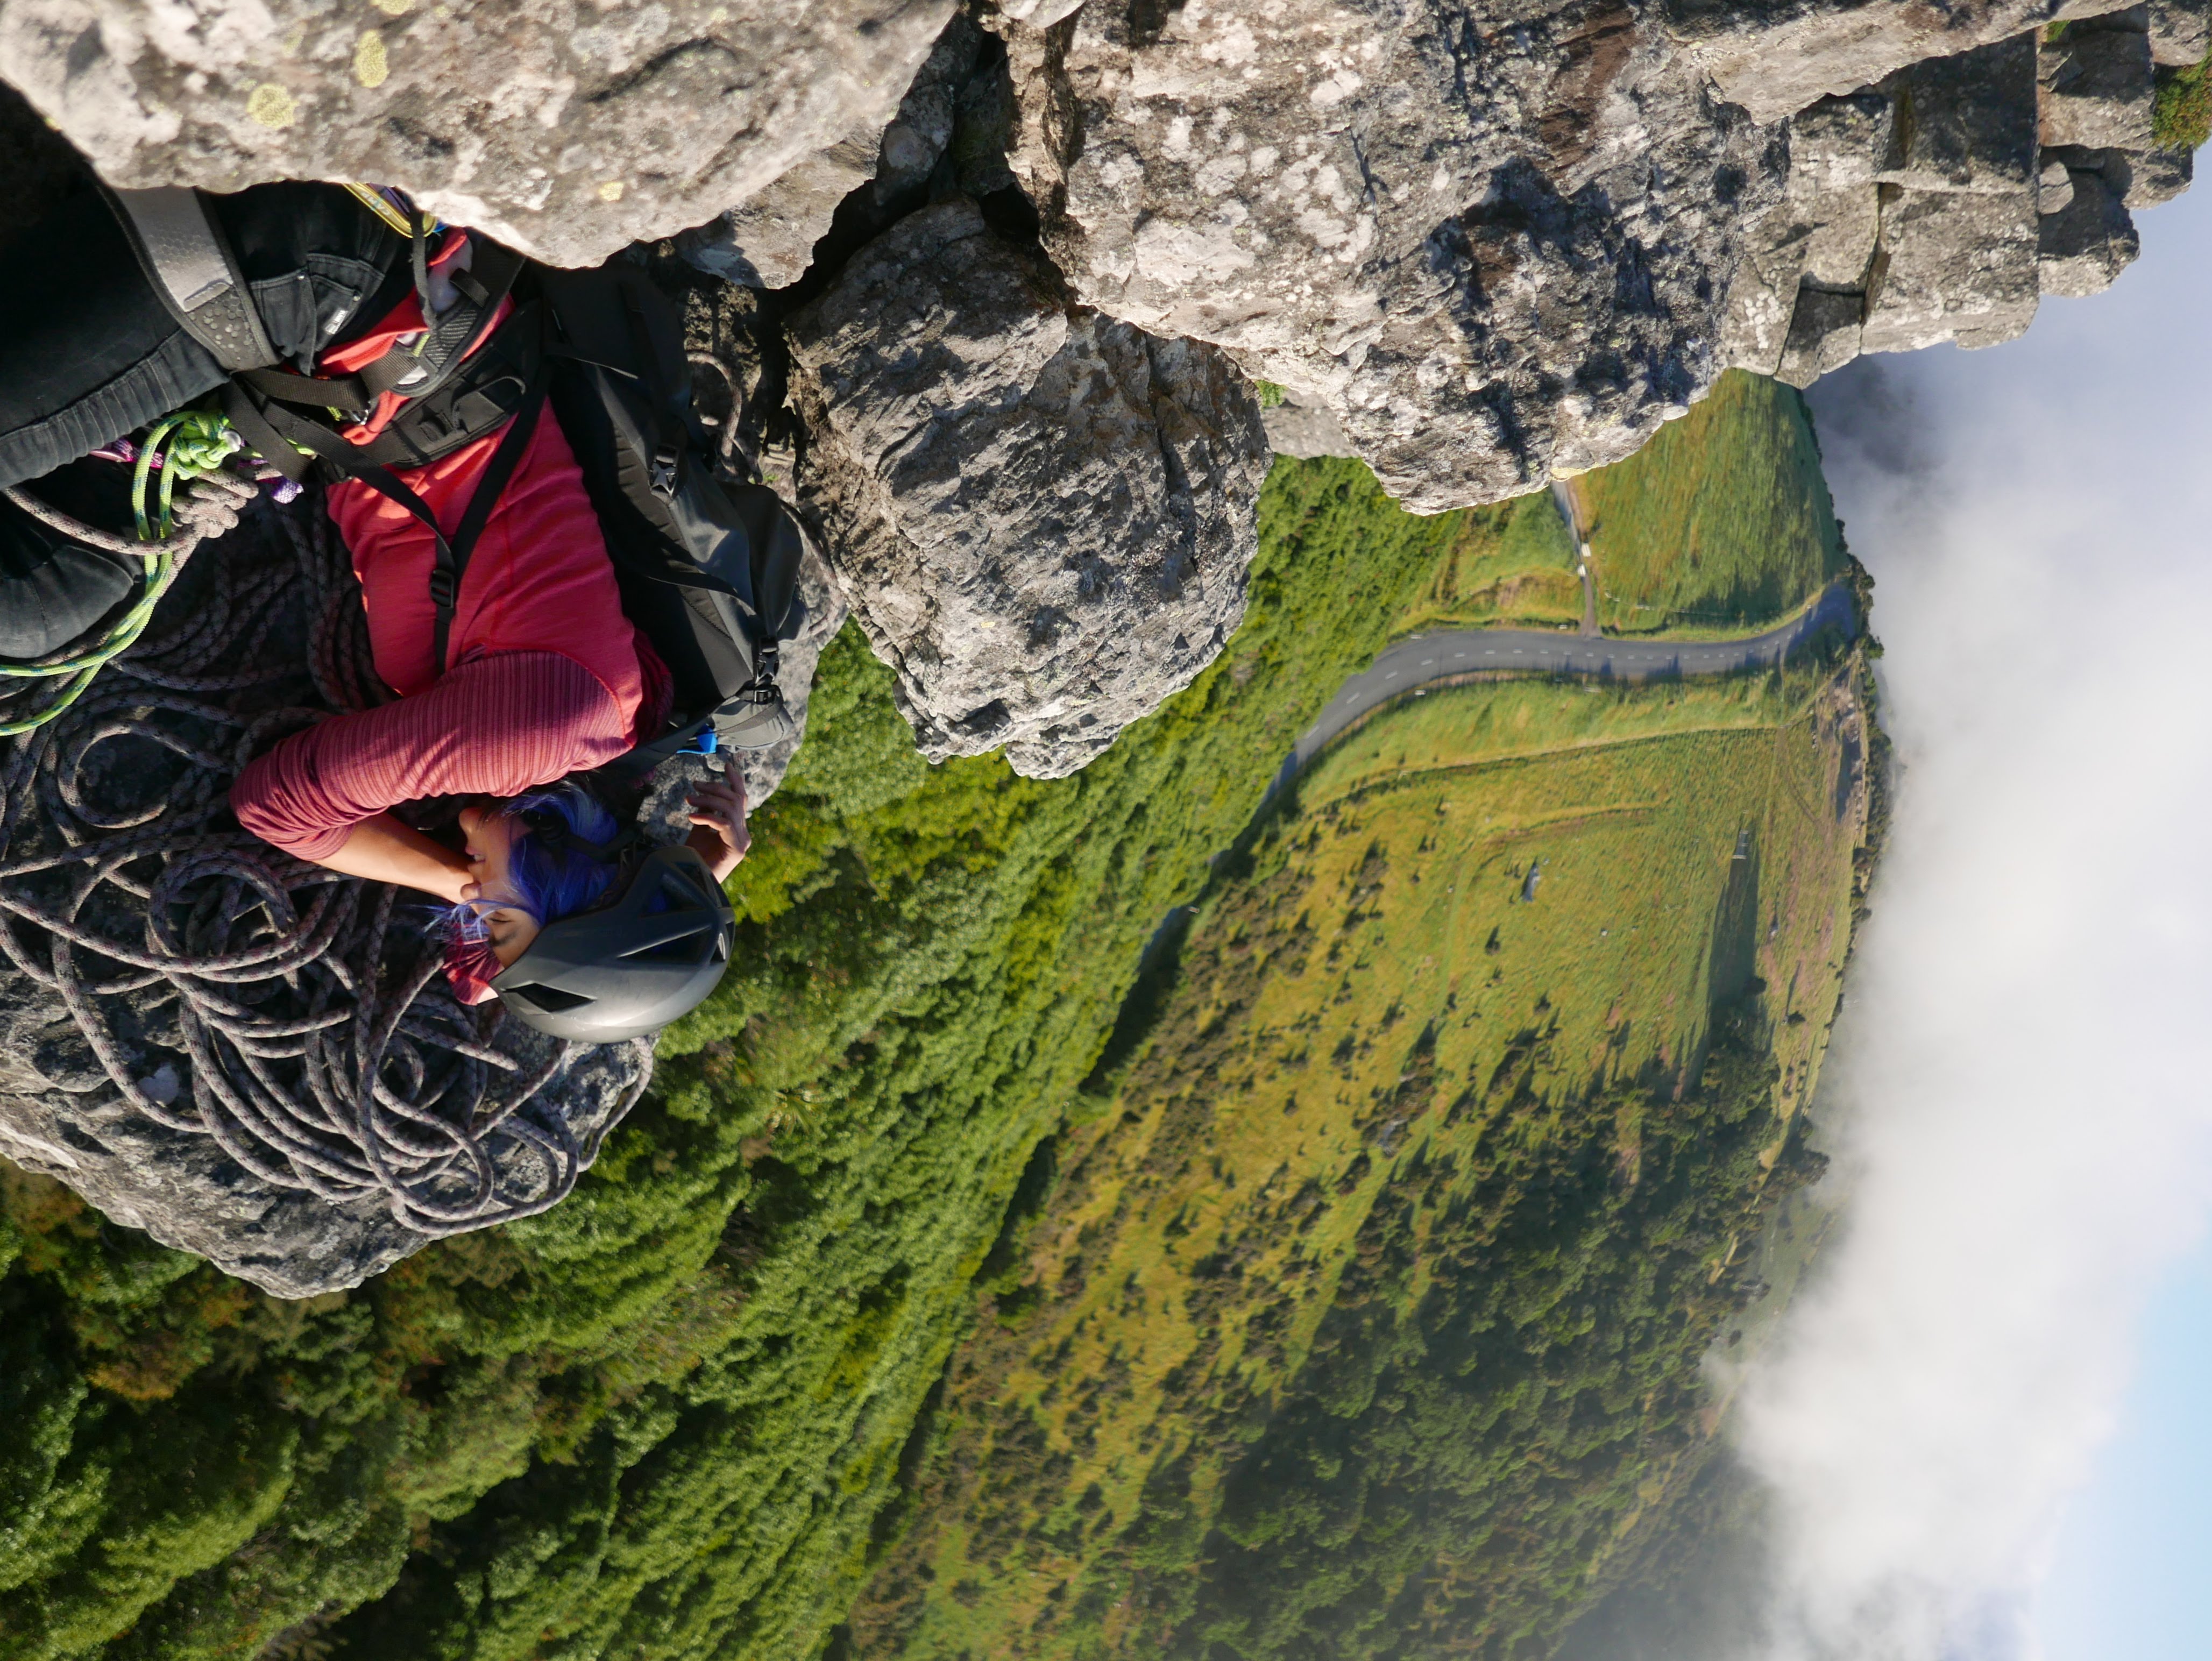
column 416, row 370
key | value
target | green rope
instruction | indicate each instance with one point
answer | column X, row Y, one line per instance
column 198, row 442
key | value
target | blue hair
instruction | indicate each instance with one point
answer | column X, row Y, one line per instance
column 548, row 883
column 553, row 883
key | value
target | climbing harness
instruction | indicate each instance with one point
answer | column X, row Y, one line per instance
column 226, row 989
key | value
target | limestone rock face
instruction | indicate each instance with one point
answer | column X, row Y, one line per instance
column 567, row 128
column 1304, row 431
column 1776, row 60
column 2151, row 179
column 2180, row 31
column 1961, row 189
column 877, row 173
column 2096, row 85
column 1492, row 251
column 1488, row 249
column 1485, row 242
column 2089, row 238
column 1041, row 516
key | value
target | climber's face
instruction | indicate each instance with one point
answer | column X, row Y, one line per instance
column 488, row 839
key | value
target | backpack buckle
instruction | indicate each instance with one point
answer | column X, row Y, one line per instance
column 663, row 472
column 443, row 588
column 761, row 691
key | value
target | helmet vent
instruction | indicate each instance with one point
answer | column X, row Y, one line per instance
column 689, row 948
column 551, row 999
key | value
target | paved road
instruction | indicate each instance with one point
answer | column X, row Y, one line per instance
column 1421, row 659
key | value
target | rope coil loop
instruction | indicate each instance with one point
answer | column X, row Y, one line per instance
column 222, row 988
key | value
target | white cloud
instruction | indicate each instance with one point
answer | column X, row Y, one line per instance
column 2026, row 1102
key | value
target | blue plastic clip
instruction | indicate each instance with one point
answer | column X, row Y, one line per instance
column 706, row 742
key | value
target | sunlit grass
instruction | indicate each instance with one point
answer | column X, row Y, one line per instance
column 1722, row 524
column 1548, row 884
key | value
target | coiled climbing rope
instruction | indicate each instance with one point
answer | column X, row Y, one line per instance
column 223, row 988
column 188, row 447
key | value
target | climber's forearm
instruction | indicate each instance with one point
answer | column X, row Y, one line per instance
column 383, row 850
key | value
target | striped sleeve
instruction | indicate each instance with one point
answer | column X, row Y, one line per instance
column 495, row 726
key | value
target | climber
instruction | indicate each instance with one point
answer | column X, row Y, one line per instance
column 417, row 378
column 539, row 676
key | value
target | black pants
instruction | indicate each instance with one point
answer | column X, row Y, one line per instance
column 53, row 591
column 88, row 354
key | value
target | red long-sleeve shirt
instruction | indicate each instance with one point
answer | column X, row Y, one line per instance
column 547, row 676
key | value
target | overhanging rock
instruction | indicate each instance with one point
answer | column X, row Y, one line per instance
column 567, row 128
column 1042, row 517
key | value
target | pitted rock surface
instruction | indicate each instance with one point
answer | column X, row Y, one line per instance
column 1491, row 248
column 1489, row 242
column 949, row 128
column 1494, row 247
column 1942, row 203
column 567, row 128
column 1041, row 516
column 1775, row 59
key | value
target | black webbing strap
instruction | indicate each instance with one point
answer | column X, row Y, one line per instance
column 418, row 237
column 667, row 431
column 346, row 394
column 450, row 560
column 446, row 344
column 450, row 557
column 263, row 437
column 264, row 406
column 453, row 335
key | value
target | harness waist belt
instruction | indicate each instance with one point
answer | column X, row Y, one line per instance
column 194, row 273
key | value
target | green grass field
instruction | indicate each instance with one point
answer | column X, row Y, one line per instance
column 668, row 1420
column 1720, row 525
column 1510, row 565
column 1500, row 1030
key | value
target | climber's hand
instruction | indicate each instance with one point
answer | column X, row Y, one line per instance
column 718, row 812
column 212, row 504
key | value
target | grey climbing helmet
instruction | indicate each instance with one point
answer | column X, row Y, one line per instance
column 649, row 953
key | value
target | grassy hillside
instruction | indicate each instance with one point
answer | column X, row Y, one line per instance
column 1368, row 1317
column 1720, row 525
column 668, row 1419
column 1511, row 566
column 683, row 1416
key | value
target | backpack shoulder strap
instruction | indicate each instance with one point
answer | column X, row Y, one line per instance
column 449, row 557
column 194, row 272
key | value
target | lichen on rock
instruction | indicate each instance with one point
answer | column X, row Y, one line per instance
column 566, row 128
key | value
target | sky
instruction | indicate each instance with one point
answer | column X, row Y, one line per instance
column 1986, row 1421
column 2134, row 1554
